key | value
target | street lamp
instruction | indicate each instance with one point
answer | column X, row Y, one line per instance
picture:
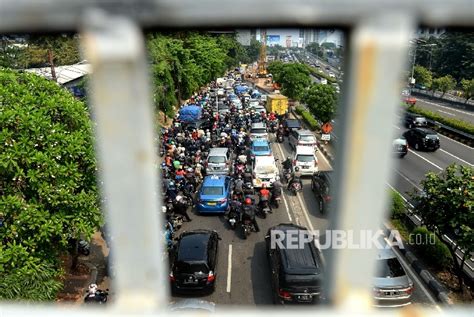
column 423, row 43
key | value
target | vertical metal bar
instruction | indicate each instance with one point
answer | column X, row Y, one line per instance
column 122, row 108
column 378, row 47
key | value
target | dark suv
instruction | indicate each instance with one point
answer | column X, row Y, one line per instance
column 415, row 120
column 296, row 270
column 422, row 139
column 320, row 185
column 195, row 262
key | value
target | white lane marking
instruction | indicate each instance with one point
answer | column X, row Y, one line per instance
column 415, row 277
column 454, row 141
column 229, row 269
column 408, row 180
column 457, row 157
column 305, row 212
column 447, row 108
column 287, row 209
column 423, row 158
column 448, row 113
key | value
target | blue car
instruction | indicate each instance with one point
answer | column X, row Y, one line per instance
column 260, row 147
column 214, row 195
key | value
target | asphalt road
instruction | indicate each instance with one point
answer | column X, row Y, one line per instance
column 448, row 110
column 243, row 276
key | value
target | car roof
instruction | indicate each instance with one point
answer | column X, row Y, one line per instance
column 304, row 132
column 214, row 180
column 426, row 130
column 304, row 150
column 218, row 151
column 264, row 160
column 193, row 245
column 260, row 142
column 258, row 125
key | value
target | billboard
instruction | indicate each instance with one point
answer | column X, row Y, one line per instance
column 273, row 39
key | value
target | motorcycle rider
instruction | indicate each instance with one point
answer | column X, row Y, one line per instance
column 264, row 196
column 295, row 177
column 287, row 164
column 181, row 208
column 277, row 186
column 239, row 185
column 248, row 212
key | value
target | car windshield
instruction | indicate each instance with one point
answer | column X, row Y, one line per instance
column 307, row 138
column 186, row 267
column 216, row 159
column 389, row 268
column 258, row 131
column 304, row 158
column 212, row 190
column 420, row 119
column 262, row 148
column 432, row 136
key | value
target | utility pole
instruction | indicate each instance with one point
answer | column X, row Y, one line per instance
column 51, row 64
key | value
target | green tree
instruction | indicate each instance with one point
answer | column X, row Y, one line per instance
column 48, row 191
column 313, row 48
column 423, row 76
column 446, row 208
column 253, row 50
column 443, row 84
column 322, row 101
column 275, row 68
column 454, row 55
column 467, row 88
column 294, row 79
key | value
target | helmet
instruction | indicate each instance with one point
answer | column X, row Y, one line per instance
column 179, row 198
column 288, row 158
column 248, row 201
column 297, row 168
column 277, row 178
column 92, row 287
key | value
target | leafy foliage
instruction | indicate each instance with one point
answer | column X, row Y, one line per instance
column 313, row 48
column 443, row 84
column 422, row 76
column 398, row 205
column 48, row 193
column 468, row 88
column 308, row 118
column 446, row 207
column 294, row 79
column 436, row 253
column 254, row 49
column 322, row 100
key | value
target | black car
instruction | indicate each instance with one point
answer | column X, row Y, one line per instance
column 195, row 262
column 290, row 125
column 414, row 120
column 422, row 139
column 320, row 185
column 296, row 272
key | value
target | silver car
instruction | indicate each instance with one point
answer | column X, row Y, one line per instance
column 218, row 161
column 391, row 285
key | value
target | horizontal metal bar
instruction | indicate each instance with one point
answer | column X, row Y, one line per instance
column 51, row 15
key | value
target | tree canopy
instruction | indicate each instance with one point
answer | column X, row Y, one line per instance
column 443, row 84
column 423, row 76
column 293, row 77
column 467, row 88
column 48, row 191
column 446, row 207
column 322, row 101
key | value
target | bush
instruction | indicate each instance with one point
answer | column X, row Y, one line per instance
column 453, row 123
column 398, row 206
column 310, row 120
column 299, row 110
column 318, row 73
column 431, row 248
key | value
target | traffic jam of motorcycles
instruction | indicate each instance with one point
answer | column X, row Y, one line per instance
column 217, row 161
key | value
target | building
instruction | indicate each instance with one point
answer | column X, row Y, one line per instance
column 426, row 33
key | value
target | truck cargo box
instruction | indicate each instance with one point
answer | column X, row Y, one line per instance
column 277, row 104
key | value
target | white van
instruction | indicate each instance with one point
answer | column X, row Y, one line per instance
column 306, row 160
column 264, row 170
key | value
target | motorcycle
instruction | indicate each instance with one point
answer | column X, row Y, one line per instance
column 265, row 207
column 239, row 169
column 248, row 188
column 279, row 137
column 232, row 218
column 99, row 297
column 247, row 227
column 84, row 247
column 276, row 198
column 296, row 186
column 287, row 174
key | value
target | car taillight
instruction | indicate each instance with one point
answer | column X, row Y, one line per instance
column 211, row 277
column 327, row 198
column 284, row 294
column 223, row 201
column 172, row 278
column 409, row 290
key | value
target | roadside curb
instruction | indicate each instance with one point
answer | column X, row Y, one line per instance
column 430, row 281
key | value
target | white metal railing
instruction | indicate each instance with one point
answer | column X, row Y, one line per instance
column 379, row 33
